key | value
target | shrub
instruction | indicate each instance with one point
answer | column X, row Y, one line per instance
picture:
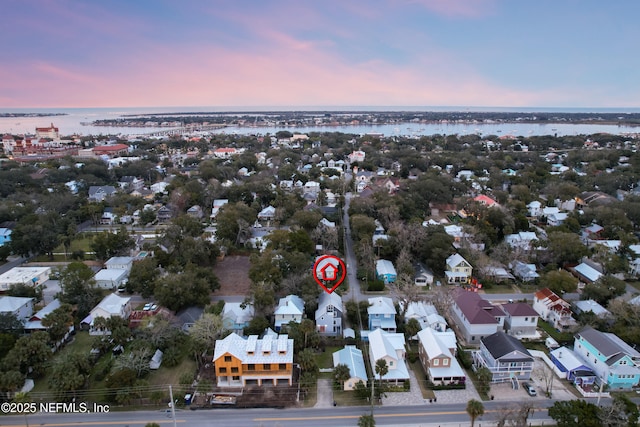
column 376, row 286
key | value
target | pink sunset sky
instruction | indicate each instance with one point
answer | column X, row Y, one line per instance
column 331, row 53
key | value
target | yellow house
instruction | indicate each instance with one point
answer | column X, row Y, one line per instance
column 242, row 361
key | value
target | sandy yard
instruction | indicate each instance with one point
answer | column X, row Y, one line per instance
column 233, row 273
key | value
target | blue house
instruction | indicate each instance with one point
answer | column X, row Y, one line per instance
column 382, row 314
column 385, row 271
column 613, row 361
column 352, row 357
column 5, row 236
column 235, row 318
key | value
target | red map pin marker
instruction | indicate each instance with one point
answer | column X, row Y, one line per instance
column 329, row 272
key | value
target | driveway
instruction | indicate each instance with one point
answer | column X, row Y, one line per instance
column 325, row 394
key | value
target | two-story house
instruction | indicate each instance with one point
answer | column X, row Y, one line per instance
column 476, row 317
column 98, row 193
column 290, row 308
column 382, row 314
column 390, row 347
column 521, row 320
column 437, row 351
column 240, row 362
column 553, row 309
column 329, row 314
column 614, row 362
column 21, row 307
column 505, row 357
column 458, row 269
column 351, row 356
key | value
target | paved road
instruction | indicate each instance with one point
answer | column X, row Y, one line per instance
column 355, row 292
column 428, row 415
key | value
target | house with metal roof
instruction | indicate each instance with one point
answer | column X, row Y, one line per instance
column 573, row 367
column 21, row 307
column 476, row 317
column 351, row 356
column 592, row 306
column 390, row 347
column 457, row 269
column 235, row 318
column 239, row 362
column 290, row 308
column 113, row 305
column 437, row 351
column 425, row 313
column 382, row 314
column 385, row 271
column 505, row 357
column 524, row 272
column 614, row 361
column 585, row 273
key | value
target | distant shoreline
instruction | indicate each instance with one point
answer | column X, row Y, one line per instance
column 9, row 115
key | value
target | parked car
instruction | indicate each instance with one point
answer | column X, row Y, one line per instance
column 529, row 389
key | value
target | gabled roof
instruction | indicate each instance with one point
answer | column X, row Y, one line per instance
column 519, row 309
column 602, row 342
column 252, row 350
column 477, row 310
column 351, row 356
column 112, row 303
column 503, row 346
column 381, row 305
column 235, row 312
column 455, row 260
column 433, row 345
column 11, row 304
column 291, row 304
column 587, row 272
column 326, row 299
column 385, row 344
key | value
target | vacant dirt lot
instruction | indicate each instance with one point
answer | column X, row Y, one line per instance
column 233, row 273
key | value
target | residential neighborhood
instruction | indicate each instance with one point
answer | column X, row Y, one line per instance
column 193, row 257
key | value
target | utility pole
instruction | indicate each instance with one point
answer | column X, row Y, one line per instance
column 173, row 405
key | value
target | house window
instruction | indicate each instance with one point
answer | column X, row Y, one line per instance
column 234, row 370
column 266, row 366
column 227, row 358
column 236, row 378
column 436, row 362
column 473, row 338
column 223, row 370
column 533, row 320
column 391, row 363
column 329, row 309
column 526, row 319
column 250, row 353
column 251, row 367
column 445, row 362
column 282, row 366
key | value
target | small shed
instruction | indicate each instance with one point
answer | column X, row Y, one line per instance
column 156, row 360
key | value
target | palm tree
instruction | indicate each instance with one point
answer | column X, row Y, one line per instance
column 341, row 373
column 474, row 409
column 366, row 421
column 381, row 368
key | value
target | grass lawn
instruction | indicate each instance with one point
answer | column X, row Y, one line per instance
column 348, row 398
column 325, row 359
column 499, row 289
column 166, row 376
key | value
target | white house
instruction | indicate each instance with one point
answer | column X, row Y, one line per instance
column 329, row 314
column 525, row 272
column 290, row 308
column 557, row 219
column 390, row 347
column 111, row 278
column 521, row 320
column 535, row 209
column 31, row 276
column 426, row 315
column 351, row 356
column 119, row 263
column 522, row 240
column 113, row 305
column 476, row 317
column 235, row 317
column 21, row 307
column 553, row 309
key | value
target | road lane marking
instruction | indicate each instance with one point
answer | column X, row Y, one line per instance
column 337, row 417
column 96, row 423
